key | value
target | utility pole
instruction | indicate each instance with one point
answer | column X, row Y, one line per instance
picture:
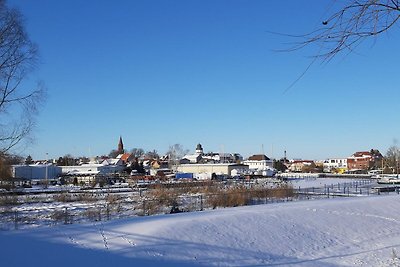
column 46, row 178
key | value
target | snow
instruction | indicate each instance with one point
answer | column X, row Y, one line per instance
column 330, row 232
column 310, row 182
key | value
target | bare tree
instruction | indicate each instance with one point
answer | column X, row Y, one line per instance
column 392, row 158
column 351, row 24
column 152, row 154
column 5, row 170
column 176, row 152
column 18, row 102
column 113, row 153
column 137, row 152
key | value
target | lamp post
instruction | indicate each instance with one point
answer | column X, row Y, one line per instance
column 46, row 177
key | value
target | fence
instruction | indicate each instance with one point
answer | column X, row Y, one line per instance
column 100, row 207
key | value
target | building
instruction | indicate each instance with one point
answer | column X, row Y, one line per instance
column 120, row 146
column 36, row 171
column 126, row 157
column 259, row 162
column 335, row 165
column 211, row 157
column 210, row 169
column 107, row 166
column 193, row 158
column 363, row 160
column 301, row 165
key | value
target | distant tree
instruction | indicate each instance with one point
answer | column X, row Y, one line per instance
column 28, row 160
column 309, row 168
column 378, row 159
column 113, row 153
column 6, row 161
column 18, row 103
column 391, row 159
column 5, row 168
column 152, row 154
column 175, row 153
column 83, row 160
column 137, row 152
column 279, row 165
column 138, row 167
column 66, row 160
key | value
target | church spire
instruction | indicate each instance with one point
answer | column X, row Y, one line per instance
column 120, row 146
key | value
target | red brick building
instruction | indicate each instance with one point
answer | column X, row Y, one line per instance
column 363, row 160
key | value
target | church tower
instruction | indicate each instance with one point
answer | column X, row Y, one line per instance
column 199, row 149
column 120, row 146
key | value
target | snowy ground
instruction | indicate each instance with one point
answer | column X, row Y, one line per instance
column 321, row 182
column 361, row 231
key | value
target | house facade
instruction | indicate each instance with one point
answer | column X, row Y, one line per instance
column 36, row 171
column 363, row 160
column 300, row 165
column 335, row 164
column 217, row 168
column 259, row 162
column 211, row 157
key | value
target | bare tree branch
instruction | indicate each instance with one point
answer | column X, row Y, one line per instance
column 346, row 28
column 18, row 102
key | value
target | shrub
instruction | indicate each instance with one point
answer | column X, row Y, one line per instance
column 8, row 200
column 63, row 197
column 230, row 198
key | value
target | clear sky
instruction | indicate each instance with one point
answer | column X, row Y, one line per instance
column 164, row 72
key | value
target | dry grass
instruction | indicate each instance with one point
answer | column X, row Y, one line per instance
column 9, row 200
column 93, row 214
column 215, row 195
column 229, row 198
column 63, row 197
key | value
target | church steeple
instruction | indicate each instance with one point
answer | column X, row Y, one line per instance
column 120, row 146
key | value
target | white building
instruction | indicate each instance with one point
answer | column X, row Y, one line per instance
column 36, row 171
column 335, row 163
column 208, row 169
column 200, row 157
column 259, row 163
column 108, row 166
column 194, row 158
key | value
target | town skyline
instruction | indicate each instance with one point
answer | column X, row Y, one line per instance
column 160, row 74
column 120, row 149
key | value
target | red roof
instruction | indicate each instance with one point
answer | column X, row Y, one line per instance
column 125, row 156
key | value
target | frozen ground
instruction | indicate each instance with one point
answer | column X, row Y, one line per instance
column 361, row 231
column 321, row 182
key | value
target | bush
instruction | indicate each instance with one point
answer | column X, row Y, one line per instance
column 230, row 198
column 63, row 197
column 93, row 214
column 9, row 200
column 61, row 216
column 87, row 197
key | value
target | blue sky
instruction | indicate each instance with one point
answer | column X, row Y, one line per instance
column 164, row 72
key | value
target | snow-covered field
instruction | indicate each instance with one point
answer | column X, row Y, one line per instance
column 321, row 182
column 362, row 231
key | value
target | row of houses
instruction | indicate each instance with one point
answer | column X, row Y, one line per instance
column 360, row 161
column 201, row 165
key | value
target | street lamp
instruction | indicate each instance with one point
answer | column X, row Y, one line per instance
column 46, row 180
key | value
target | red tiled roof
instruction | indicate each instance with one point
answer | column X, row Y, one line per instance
column 125, row 156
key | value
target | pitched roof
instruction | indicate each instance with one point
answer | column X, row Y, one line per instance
column 362, row 154
column 125, row 156
column 259, row 157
